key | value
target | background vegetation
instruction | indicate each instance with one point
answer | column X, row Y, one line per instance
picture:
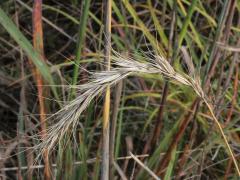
column 46, row 48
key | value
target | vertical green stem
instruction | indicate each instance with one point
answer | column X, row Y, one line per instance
column 81, row 36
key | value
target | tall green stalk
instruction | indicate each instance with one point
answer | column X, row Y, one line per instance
column 81, row 37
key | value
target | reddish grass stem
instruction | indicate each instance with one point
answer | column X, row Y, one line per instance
column 38, row 46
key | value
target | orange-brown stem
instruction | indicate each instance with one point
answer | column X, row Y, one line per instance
column 38, row 46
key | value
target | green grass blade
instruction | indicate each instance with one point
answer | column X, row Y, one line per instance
column 12, row 29
column 81, row 36
column 158, row 25
column 170, row 167
column 119, row 129
column 186, row 22
column 158, row 48
column 81, row 171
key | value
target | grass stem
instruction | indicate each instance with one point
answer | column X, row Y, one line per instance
column 106, row 108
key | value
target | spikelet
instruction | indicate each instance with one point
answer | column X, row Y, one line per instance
column 68, row 117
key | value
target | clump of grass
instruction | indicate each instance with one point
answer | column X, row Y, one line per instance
column 68, row 117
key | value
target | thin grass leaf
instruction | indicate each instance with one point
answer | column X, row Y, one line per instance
column 158, row 26
column 157, row 47
column 8, row 24
column 81, row 37
column 186, row 24
column 170, row 167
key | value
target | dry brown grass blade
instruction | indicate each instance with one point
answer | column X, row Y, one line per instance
column 129, row 144
column 119, row 170
column 186, row 151
column 176, row 139
column 144, row 167
column 228, row 169
column 223, row 135
column 227, row 47
column 188, row 61
column 8, row 150
column 182, row 160
column 117, row 98
column 233, row 101
column 38, row 46
column 88, row 161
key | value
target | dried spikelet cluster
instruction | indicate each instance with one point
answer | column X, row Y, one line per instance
column 67, row 118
